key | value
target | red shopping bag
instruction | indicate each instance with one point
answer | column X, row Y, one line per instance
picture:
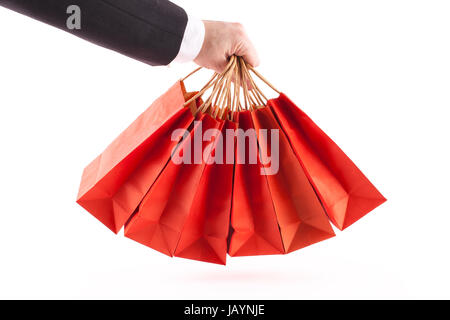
column 161, row 215
column 300, row 215
column 113, row 185
column 166, row 188
column 254, row 226
column 205, row 231
column 345, row 192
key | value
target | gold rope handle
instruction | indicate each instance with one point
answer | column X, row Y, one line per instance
column 254, row 91
column 262, row 78
column 190, row 74
column 229, row 88
column 218, row 87
column 210, row 83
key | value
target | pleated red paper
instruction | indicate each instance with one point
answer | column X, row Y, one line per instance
column 113, row 185
column 253, row 220
column 301, row 217
column 248, row 203
column 205, row 231
column 164, row 210
column 345, row 192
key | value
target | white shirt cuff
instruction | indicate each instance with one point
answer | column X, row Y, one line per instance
column 192, row 42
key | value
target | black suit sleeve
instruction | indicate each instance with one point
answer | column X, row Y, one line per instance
column 150, row 31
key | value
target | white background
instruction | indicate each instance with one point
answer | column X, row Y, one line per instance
column 375, row 75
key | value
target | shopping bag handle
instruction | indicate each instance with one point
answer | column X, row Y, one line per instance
column 229, row 87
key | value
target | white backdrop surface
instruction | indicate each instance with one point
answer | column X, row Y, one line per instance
column 375, row 75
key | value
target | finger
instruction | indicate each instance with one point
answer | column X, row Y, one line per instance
column 221, row 65
column 248, row 52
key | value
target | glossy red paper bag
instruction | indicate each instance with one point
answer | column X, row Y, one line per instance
column 254, row 226
column 301, row 217
column 345, row 192
column 161, row 215
column 205, row 231
column 114, row 184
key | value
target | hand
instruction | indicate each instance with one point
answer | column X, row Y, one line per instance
column 222, row 40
